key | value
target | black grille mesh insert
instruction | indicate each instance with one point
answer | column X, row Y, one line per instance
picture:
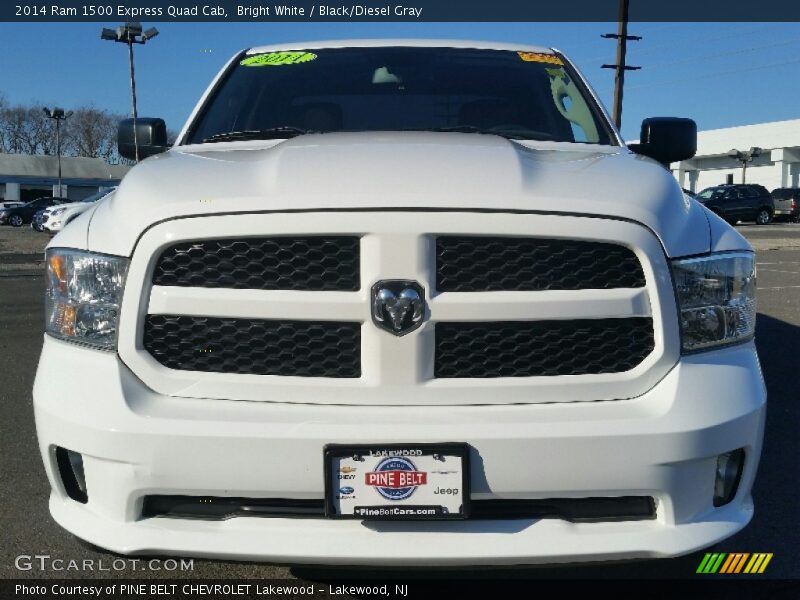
column 213, row 508
column 313, row 263
column 541, row 348
column 258, row 347
column 485, row 264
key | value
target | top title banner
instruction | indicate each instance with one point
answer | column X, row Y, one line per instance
column 401, row 10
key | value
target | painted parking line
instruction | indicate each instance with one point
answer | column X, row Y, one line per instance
column 780, row 271
column 779, row 287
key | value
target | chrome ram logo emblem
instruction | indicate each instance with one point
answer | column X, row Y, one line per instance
column 398, row 306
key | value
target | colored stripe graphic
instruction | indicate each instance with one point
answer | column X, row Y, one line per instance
column 759, row 562
column 711, row 562
column 734, row 562
column 741, row 562
column 732, row 558
column 703, row 564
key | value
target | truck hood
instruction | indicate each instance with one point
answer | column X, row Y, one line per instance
column 399, row 170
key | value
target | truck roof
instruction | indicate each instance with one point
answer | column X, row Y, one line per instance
column 414, row 43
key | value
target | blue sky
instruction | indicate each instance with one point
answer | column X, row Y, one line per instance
column 720, row 74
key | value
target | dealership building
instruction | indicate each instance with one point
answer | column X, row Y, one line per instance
column 777, row 166
column 25, row 177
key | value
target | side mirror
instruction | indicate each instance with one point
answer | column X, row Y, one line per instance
column 150, row 135
column 667, row 139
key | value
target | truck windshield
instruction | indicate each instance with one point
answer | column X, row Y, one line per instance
column 520, row 95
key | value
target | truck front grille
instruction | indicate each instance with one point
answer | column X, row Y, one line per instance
column 518, row 264
column 309, row 263
column 541, row 348
column 257, row 347
column 518, row 308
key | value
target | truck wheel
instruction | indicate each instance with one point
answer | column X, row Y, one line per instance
column 15, row 221
column 764, row 216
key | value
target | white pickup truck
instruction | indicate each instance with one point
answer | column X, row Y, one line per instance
column 401, row 302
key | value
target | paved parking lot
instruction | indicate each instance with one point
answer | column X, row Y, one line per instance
column 28, row 529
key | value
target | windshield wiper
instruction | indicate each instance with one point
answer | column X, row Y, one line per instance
column 285, row 131
column 515, row 134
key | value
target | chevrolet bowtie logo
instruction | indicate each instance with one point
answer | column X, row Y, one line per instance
column 398, row 305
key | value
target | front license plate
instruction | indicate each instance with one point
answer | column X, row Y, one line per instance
column 397, row 481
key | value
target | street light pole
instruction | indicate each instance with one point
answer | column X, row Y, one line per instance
column 130, row 34
column 745, row 157
column 58, row 115
column 133, row 99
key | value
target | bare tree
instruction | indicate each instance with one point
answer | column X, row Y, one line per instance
column 92, row 132
column 26, row 130
column 172, row 136
column 3, row 108
column 41, row 134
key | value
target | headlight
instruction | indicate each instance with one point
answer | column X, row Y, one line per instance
column 716, row 298
column 55, row 212
column 83, row 296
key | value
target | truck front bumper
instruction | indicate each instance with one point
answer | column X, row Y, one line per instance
column 663, row 444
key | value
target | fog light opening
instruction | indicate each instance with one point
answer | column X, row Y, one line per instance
column 70, row 468
column 729, row 473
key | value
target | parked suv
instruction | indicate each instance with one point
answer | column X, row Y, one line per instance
column 787, row 204
column 413, row 281
column 739, row 202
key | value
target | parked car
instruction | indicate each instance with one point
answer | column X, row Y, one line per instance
column 739, row 202
column 787, row 204
column 55, row 218
column 10, row 204
column 405, row 280
column 19, row 215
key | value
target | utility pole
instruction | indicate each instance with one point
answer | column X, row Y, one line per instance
column 622, row 38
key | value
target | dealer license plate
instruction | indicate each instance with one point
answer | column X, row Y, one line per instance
column 397, row 481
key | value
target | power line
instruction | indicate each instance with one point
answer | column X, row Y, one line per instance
column 723, row 54
column 675, row 41
column 705, row 41
column 716, row 75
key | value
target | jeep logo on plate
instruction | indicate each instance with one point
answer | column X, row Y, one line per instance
column 398, row 305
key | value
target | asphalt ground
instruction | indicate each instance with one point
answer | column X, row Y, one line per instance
column 27, row 528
